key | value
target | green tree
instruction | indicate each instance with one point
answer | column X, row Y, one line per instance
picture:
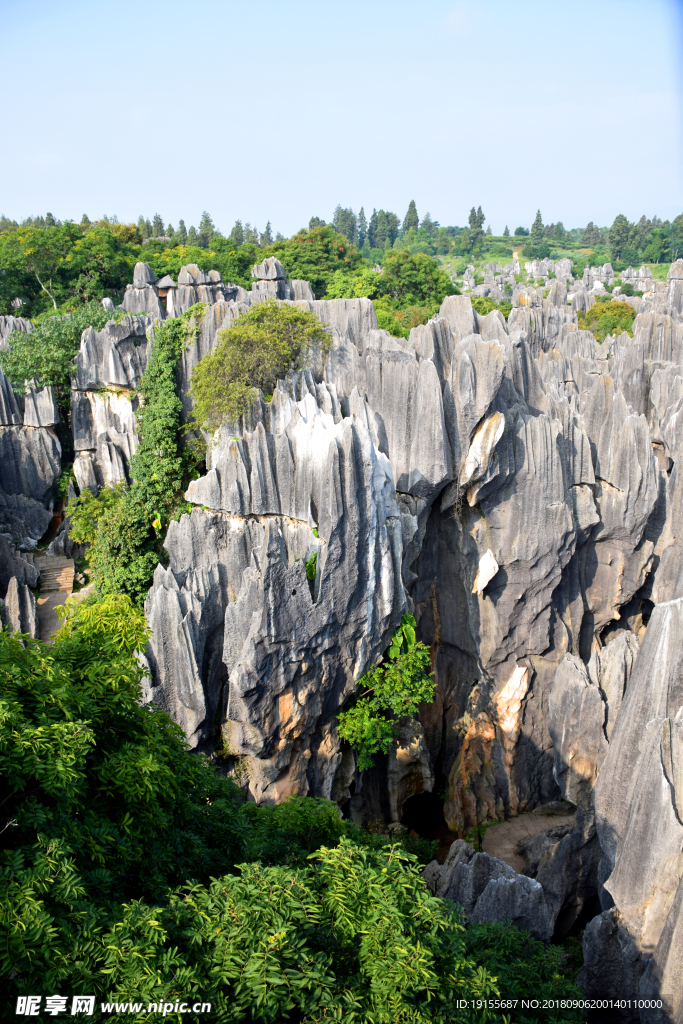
column 591, row 234
column 506, row 232
column 46, row 354
column 132, row 871
column 193, row 237
column 382, row 229
column 414, row 278
column 443, row 242
column 267, row 236
column 411, row 219
column 182, row 232
column 206, row 231
column 258, row 350
column 236, row 236
column 537, row 229
column 362, row 228
column 604, row 318
column 619, row 236
column 345, row 222
column 102, row 262
column 41, row 253
column 396, row 688
column 521, row 232
column 476, row 222
column 658, row 249
column 315, row 255
column 157, row 226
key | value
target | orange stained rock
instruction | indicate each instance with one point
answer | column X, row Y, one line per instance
column 471, row 784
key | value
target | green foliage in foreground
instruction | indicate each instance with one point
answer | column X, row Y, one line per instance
column 266, row 341
column 46, row 354
column 605, row 317
column 397, row 687
column 131, row 871
column 125, row 526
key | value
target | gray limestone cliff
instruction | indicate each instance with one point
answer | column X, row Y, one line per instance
column 515, row 485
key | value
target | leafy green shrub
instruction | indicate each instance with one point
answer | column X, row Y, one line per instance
column 310, row 564
column 397, row 687
column 133, row 872
column 526, row 969
column 483, row 305
column 46, row 354
column 387, row 320
column 260, row 348
column 607, row 317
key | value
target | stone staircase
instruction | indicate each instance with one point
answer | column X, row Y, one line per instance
column 55, row 573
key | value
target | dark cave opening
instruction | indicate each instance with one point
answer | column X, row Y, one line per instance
column 423, row 813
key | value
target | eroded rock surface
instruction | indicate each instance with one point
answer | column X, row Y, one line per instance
column 513, row 483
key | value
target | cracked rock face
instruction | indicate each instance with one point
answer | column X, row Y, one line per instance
column 283, row 651
column 514, row 484
column 487, row 889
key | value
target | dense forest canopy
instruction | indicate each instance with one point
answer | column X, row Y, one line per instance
column 48, row 266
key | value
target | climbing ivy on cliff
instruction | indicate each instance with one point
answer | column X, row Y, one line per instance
column 126, row 528
column 394, row 689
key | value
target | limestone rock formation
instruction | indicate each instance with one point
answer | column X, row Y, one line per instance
column 109, row 367
column 236, row 594
column 514, row 484
column 12, row 323
column 487, row 889
column 40, row 408
column 19, row 611
column 142, row 295
column 15, row 565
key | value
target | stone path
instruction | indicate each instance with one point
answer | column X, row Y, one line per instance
column 56, row 585
column 501, row 840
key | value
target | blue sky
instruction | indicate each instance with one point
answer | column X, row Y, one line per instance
column 278, row 111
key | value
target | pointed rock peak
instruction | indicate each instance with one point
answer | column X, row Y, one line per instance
column 143, row 275
column 675, row 271
column 270, row 270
